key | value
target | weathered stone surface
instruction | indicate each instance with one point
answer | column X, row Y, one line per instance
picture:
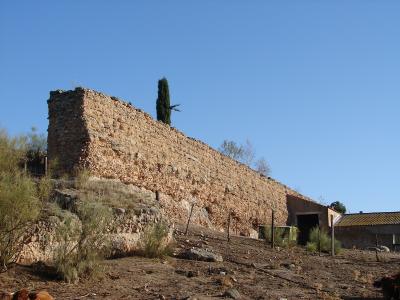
column 114, row 140
column 126, row 229
column 232, row 293
column 66, row 199
column 202, row 254
column 201, row 297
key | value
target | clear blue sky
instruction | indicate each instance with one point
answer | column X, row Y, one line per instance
column 315, row 85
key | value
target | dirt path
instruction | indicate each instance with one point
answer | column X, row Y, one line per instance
column 249, row 266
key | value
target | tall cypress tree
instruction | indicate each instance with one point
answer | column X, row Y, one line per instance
column 163, row 104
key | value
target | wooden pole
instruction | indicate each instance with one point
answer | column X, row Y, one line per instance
column 229, row 225
column 376, row 248
column 332, row 237
column 190, row 216
column 45, row 166
column 319, row 240
column 273, row 230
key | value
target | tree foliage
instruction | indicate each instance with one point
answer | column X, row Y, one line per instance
column 248, row 153
column 262, row 167
column 163, row 104
column 245, row 154
column 12, row 151
column 231, row 149
column 36, row 142
column 338, row 206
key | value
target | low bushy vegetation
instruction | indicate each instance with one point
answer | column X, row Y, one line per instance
column 115, row 194
column 155, row 241
column 19, row 199
column 44, row 188
column 82, row 179
column 319, row 240
column 283, row 236
column 83, row 242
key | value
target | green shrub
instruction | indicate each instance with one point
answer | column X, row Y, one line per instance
column 19, row 204
column 82, row 245
column 312, row 247
column 154, row 242
column 283, row 236
column 44, row 188
column 321, row 239
column 12, row 152
column 19, row 208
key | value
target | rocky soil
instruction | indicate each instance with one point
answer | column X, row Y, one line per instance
column 250, row 270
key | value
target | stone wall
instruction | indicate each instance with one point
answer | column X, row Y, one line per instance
column 362, row 237
column 114, row 140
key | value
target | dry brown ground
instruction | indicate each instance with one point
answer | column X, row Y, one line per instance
column 250, row 266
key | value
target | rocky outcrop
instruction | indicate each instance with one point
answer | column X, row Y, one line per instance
column 137, row 211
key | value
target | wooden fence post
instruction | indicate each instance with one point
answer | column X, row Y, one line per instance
column 376, row 248
column 332, row 237
column 190, row 216
column 46, row 172
column 229, row 225
column 273, row 230
column 319, row 240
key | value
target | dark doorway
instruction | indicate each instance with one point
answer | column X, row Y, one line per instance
column 305, row 223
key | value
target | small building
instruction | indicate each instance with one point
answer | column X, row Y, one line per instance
column 365, row 230
column 307, row 214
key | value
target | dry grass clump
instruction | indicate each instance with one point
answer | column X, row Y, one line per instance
column 82, row 179
column 155, row 242
column 114, row 194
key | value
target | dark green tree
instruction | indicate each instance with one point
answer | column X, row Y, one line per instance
column 163, row 104
column 338, row 206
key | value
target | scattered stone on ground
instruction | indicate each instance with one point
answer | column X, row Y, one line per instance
column 232, row 293
column 349, row 275
column 202, row 255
